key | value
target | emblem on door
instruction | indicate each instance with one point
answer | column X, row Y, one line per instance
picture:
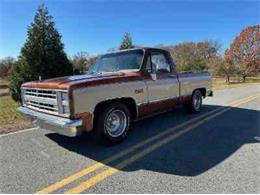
column 139, row 91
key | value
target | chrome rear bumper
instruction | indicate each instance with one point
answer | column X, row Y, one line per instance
column 57, row 124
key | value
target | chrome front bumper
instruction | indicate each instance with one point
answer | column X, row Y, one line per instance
column 57, row 124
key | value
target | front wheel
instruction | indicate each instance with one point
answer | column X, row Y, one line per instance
column 195, row 103
column 113, row 123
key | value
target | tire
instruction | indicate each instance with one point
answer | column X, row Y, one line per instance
column 195, row 104
column 113, row 123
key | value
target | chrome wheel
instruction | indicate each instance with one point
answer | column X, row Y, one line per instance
column 116, row 123
column 197, row 101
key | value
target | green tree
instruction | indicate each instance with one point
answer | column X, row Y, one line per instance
column 126, row 42
column 41, row 55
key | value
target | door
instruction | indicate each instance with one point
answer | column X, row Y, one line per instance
column 165, row 88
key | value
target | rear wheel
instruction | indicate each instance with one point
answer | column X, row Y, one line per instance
column 195, row 103
column 113, row 123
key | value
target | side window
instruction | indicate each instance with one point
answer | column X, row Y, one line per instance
column 160, row 62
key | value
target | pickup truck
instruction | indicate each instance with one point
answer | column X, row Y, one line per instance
column 119, row 87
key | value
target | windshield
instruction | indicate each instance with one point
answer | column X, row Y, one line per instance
column 121, row 61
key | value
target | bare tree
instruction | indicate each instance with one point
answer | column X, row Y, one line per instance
column 91, row 60
column 79, row 61
column 6, row 65
column 227, row 67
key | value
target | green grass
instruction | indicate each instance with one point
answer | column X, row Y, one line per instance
column 10, row 119
column 4, row 81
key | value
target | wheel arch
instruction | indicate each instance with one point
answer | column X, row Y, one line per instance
column 127, row 101
column 202, row 91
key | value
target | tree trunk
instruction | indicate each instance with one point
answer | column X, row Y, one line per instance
column 244, row 78
column 227, row 79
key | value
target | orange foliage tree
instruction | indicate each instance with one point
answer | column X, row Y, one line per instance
column 227, row 66
column 245, row 51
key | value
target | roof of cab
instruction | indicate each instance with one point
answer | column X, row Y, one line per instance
column 138, row 48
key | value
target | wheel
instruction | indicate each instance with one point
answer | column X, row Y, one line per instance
column 195, row 103
column 113, row 123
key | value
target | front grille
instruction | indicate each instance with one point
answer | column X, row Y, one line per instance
column 41, row 99
column 41, row 93
column 42, row 106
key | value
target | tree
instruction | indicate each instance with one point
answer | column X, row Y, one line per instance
column 208, row 52
column 126, row 42
column 190, row 56
column 79, row 61
column 90, row 62
column 226, row 66
column 245, row 51
column 6, row 65
column 41, row 55
column 184, row 56
column 214, row 65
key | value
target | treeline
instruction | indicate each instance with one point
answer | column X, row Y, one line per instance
column 241, row 59
column 194, row 56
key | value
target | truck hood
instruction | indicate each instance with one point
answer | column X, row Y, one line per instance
column 84, row 80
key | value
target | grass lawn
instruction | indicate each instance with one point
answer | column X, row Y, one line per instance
column 4, row 87
column 220, row 83
column 3, row 81
column 10, row 119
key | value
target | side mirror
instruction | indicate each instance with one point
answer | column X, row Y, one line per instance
column 153, row 76
column 163, row 67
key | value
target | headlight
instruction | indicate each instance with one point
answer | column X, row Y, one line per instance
column 66, row 109
column 22, row 95
column 63, row 103
column 64, row 96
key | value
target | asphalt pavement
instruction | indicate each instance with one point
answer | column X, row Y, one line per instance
column 214, row 151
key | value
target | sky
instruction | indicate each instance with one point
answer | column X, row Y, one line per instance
column 97, row 25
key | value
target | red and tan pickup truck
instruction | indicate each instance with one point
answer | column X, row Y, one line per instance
column 119, row 87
